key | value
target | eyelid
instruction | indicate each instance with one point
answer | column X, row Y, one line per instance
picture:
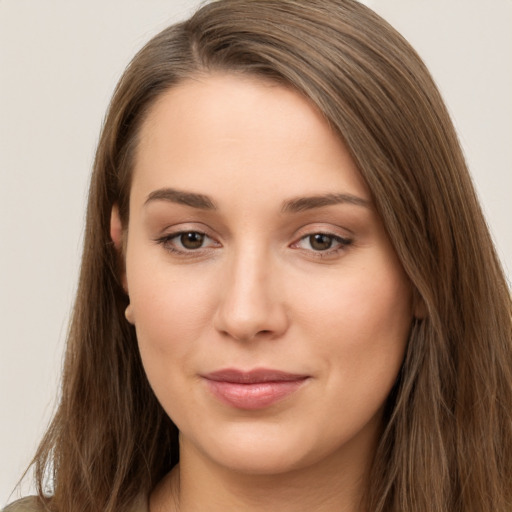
column 324, row 229
column 343, row 241
column 171, row 233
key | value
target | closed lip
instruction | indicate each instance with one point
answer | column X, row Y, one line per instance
column 258, row 375
column 255, row 389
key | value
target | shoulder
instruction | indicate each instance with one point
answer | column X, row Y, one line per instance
column 34, row 504
column 29, row 504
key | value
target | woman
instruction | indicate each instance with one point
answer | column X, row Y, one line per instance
column 289, row 299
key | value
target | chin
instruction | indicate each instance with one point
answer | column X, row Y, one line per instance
column 264, row 450
column 261, row 460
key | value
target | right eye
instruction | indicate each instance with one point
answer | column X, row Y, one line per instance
column 191, row 240
column 186, row 241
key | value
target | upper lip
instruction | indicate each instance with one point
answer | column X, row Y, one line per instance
column 253, row 376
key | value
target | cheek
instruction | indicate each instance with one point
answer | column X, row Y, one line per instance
column 360, row 301
column 171, row 316
column 361, row 321
column 171, row 312
column 359, row 330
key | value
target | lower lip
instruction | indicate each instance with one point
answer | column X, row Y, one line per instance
column 253, row 396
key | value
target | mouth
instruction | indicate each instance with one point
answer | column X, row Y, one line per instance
column 255, row 389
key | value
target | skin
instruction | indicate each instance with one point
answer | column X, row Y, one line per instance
column 259, row 292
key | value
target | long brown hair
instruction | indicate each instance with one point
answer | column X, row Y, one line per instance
column 447, row 440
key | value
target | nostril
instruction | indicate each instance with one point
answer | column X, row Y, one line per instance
column 248, row 311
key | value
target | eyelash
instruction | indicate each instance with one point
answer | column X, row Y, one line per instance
column 342, row 244
column 167, row 241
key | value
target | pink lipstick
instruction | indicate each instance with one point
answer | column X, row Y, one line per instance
column 255, row 389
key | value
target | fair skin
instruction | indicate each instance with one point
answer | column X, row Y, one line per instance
column 253, row 244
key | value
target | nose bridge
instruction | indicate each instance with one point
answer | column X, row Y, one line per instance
column 251, row 301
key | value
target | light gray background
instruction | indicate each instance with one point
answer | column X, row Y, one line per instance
column 59, row 62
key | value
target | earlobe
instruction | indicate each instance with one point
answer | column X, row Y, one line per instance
column 117, row 236
column 128, row 313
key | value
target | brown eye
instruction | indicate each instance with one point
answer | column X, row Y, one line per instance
column 320, row 241
column 323, row 244
column 192, row 240
column 187, row 243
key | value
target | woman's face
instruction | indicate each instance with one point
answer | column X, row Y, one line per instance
column 271, row 311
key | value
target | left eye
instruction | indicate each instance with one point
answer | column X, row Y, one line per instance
column 322, row 242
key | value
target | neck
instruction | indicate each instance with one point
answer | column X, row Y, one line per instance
column 197, row 484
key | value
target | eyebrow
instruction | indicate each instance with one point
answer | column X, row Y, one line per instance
column 180, row 197
column 296, row 205
column 301, row 204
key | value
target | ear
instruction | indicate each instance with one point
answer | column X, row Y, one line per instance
column 118, row 237
column 129, row 315
column 116, row 228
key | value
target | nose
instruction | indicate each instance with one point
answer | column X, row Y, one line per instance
column 251, row 301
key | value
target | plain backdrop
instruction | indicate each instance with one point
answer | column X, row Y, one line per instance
column 59, row 62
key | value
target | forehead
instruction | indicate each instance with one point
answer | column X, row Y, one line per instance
column 248, row 135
